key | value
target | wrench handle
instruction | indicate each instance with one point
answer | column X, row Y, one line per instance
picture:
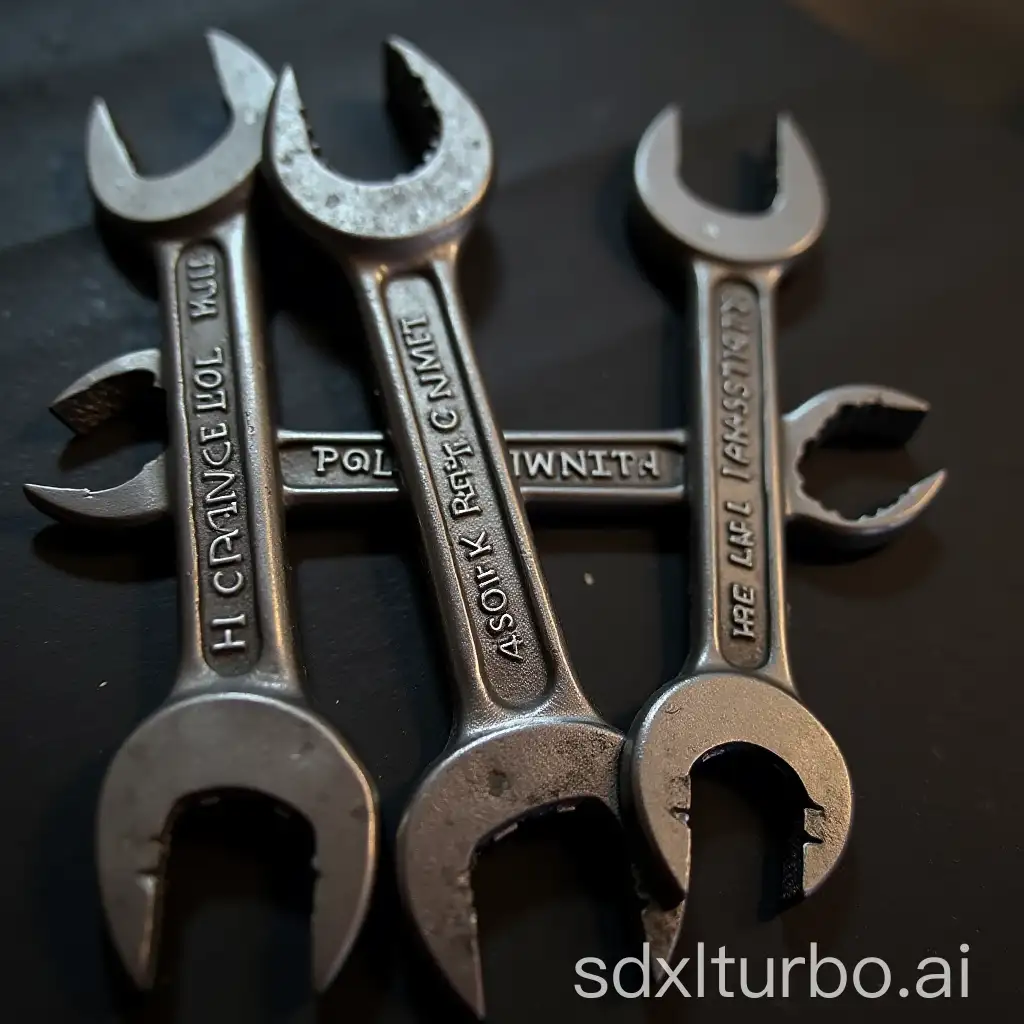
column 737, row 484
column 561, row 469
column 225, row 479
column 507, row 649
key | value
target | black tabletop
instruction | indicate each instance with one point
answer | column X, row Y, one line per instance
column 906, row 654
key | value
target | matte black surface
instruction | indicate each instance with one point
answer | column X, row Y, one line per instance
column 908, row 655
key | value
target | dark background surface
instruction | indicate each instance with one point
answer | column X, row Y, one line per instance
column 907, row 656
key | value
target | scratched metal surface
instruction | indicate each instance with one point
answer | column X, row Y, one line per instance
column 905, row 655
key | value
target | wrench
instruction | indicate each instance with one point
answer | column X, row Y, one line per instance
column 527, row 741
column 737, row 687
column 236, row 717
column 580, row 468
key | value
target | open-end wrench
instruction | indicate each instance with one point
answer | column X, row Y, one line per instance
column 236, row 717
column 526, row 740
column 578, row 469
column 737, row 689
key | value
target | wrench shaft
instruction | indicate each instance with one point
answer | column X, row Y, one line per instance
column 507, row 650
column 737, row 467
column 225, row 480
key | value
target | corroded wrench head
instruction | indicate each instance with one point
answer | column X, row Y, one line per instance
column 477, row 794
column 436, row 121
column 736, row 691
column 854, row 414
column 216, row 742
column 237, row 717
column 225, row 170
column 97, row 396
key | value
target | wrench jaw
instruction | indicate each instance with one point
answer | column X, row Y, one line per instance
column 137, row 502
column 96, row 397
column 225, row 741
column 434, row 117
column 868, row 531
column 854, row 415
column 708, row 714
column 475, row 796
column 797, row 216
column 223, row 175
column 108, row 390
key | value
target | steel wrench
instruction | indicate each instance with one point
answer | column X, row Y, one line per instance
column 580, row 469
column 737, row 687
column 236, row 717
column 527, row 740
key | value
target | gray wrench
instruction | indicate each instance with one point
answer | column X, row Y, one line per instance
column 737, row 688
column 557, row 468
column 527, row 741
column 236, row 717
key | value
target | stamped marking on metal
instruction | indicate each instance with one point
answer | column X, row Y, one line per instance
column 220, row 511
column 739, row 480
column 489, row 575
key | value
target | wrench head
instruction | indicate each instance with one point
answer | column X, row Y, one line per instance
column 108, row 390
column 433, row 204
column 96, row 397
column 142, row 499
column 225, row 741
column 476, row 795
column 704, row 715
column 843, row 417
column 791, row 226
column 221, row 175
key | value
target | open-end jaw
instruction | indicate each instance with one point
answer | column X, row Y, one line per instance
column 792, row 225
column 234, row 740
column 97, row 396
column 247, row 85
column 498, row 780
column 435, row 120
